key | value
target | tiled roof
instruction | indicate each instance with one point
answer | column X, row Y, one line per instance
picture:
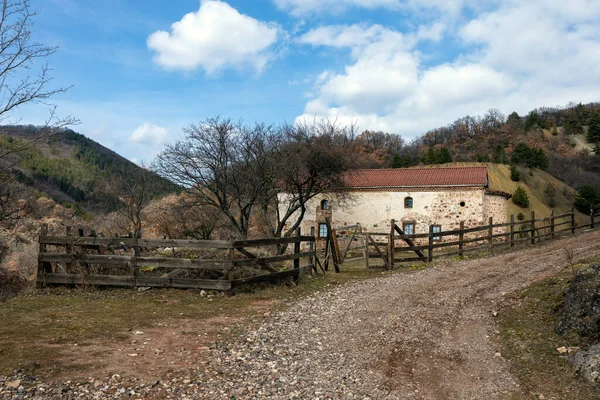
column 417, row 177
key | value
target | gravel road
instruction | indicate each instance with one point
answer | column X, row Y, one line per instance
column 422, row 335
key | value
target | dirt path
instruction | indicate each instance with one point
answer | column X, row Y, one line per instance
column 424, row 335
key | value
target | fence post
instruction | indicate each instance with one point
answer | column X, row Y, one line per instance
column 311, row 248
column 552, row 224
column 136, row 253
column 391, row 245
column 533, row 227
column 573, row 220
column 512, row 230
column 461, row 237
column 296, row 252
column 490, row 232
column 41, row 281
column 592, row 217
column 366, row 249
column 231, row 255
column 69, row 247
column 430, row 248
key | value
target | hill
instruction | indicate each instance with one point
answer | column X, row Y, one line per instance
column 71, row 168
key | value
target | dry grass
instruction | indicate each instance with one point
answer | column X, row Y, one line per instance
column 33, row 324
column 530, row 343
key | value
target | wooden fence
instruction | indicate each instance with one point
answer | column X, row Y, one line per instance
column 395, row 246
column 137, row 262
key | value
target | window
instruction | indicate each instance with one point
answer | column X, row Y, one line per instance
column 324, row 205
column 408, row 228
column 436, row 229
column 322, row 230
column 408, row 202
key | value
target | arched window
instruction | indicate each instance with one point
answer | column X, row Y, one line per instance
column 324, row 205
column 408, row 202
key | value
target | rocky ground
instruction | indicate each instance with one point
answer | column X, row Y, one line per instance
column 423, row 335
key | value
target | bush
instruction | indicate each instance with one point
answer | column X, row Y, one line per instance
column 550, row 192
column 515, row 175
column 520, row 216
column 520, row 197
column 11, row 283
column 587, row 197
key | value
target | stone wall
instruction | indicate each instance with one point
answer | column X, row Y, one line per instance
column 374, row 209
column 495, row 206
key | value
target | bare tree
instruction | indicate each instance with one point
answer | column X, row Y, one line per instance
column 19, row 53
column 223, row 164
column 312, row 159
column 129, row 192
column 11, row 205
column 180, row 217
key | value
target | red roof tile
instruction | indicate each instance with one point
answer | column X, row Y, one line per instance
column 417, row 177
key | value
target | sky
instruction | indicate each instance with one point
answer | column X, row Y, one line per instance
column 141, row 71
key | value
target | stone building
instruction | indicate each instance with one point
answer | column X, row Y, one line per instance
column 414, row 197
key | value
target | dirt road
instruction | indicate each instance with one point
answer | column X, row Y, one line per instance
column 429, row 334
column 425, row 335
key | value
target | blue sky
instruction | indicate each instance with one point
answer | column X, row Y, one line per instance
column 143, row 70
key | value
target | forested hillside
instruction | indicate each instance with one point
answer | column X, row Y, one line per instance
column 563, row 141
column 71, row 168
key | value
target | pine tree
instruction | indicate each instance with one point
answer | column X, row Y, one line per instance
column 515, row 174
column 594, row 128
column 520, row 197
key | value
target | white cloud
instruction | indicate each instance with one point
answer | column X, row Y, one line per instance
column 149, row 134
column 215, row 37
column 518, row 56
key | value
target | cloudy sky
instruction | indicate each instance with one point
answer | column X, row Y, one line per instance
column 142, row 70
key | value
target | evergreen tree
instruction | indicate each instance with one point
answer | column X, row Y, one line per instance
column 594, row 128
column 572, row 126
column 500, row 155
column 514, row 121
column 515, row 174
column 443, row 156
column 520, row 197
column 400, row 162
column 520, row 154
column 587, row 197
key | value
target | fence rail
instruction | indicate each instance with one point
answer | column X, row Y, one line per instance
column 125, row 262
column 424, row 246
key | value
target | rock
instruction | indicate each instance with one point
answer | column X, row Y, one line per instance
column 562, row 350
column 138, row 333
column 494, row 313
column 581, row 311
column 498, row 354
column 144, row 289
column 587, row 363
column 115, row 378
column 13, row 384
column 203, row 293
column 21, row 389
column 267, row 314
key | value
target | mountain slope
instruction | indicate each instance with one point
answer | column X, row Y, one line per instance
column 69, row 167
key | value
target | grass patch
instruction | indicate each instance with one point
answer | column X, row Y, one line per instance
column 34, row 323
column 530, row 342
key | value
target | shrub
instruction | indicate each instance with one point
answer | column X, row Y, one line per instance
column 11, row 283
column 520, row 216
column 520, row 197
column 550, row 192
column 515, row 175
column 587, row 197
